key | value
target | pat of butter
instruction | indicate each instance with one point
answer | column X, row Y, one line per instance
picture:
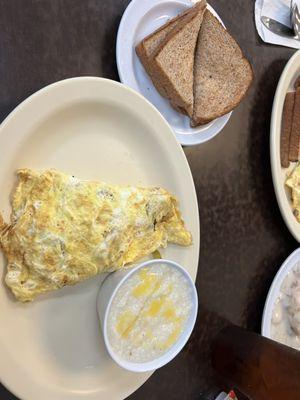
column 154, row 307
column 149, row 283
column 125, row 323
column 170, row 313
column 172, row 338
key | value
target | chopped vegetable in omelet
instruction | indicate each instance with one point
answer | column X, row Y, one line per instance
column 64, row 230
column 293, row 182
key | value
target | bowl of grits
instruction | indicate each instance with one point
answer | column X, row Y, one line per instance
column 147, row 314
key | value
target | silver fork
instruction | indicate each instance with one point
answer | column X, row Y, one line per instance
column 295, row 18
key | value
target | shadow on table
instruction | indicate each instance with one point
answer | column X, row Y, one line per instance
column 108, row 44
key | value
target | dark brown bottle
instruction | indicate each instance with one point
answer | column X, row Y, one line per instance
column 260, row 368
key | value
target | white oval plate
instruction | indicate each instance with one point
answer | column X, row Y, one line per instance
column 289, row 75
column 141, row 18
column 94, row 128
column 273, row 294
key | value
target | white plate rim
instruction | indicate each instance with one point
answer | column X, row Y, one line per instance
column 124, row 42
column 274, row 290
column 172, row 141
column 291, row 67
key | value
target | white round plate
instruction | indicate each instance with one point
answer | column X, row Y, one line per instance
column 273, row 294
column 286, row 83
column 141, row 18
column 52, row 349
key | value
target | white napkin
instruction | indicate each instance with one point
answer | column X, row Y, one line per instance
column 279, row 10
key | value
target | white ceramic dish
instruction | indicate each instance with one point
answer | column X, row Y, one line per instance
column 140, row 19
column 106, row 295
column 93, row 128
column 290, row 73
column 286, row 267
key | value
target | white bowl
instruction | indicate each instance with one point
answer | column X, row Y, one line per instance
column 106, row 295
column 274, row 291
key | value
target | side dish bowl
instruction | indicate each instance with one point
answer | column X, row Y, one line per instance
column 274, row 291
column 107, row 292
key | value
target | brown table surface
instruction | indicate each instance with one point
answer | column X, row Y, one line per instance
column 243, row 237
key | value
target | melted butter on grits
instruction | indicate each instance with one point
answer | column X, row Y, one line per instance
column 149, row 313
column 64, row 230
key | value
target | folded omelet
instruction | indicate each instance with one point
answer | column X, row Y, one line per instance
column 64, row 230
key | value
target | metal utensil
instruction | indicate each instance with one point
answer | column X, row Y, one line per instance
column 278, row 28
column 295, row 19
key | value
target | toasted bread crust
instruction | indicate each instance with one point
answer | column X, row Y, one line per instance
column 145, row 50
column 140, row 47
column 220, row 98
column 201, row 115
column 229, row 108
column 172, row 81
column 155, row 69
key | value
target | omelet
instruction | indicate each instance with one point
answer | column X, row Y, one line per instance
column 293, row 182
column 64, row 230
